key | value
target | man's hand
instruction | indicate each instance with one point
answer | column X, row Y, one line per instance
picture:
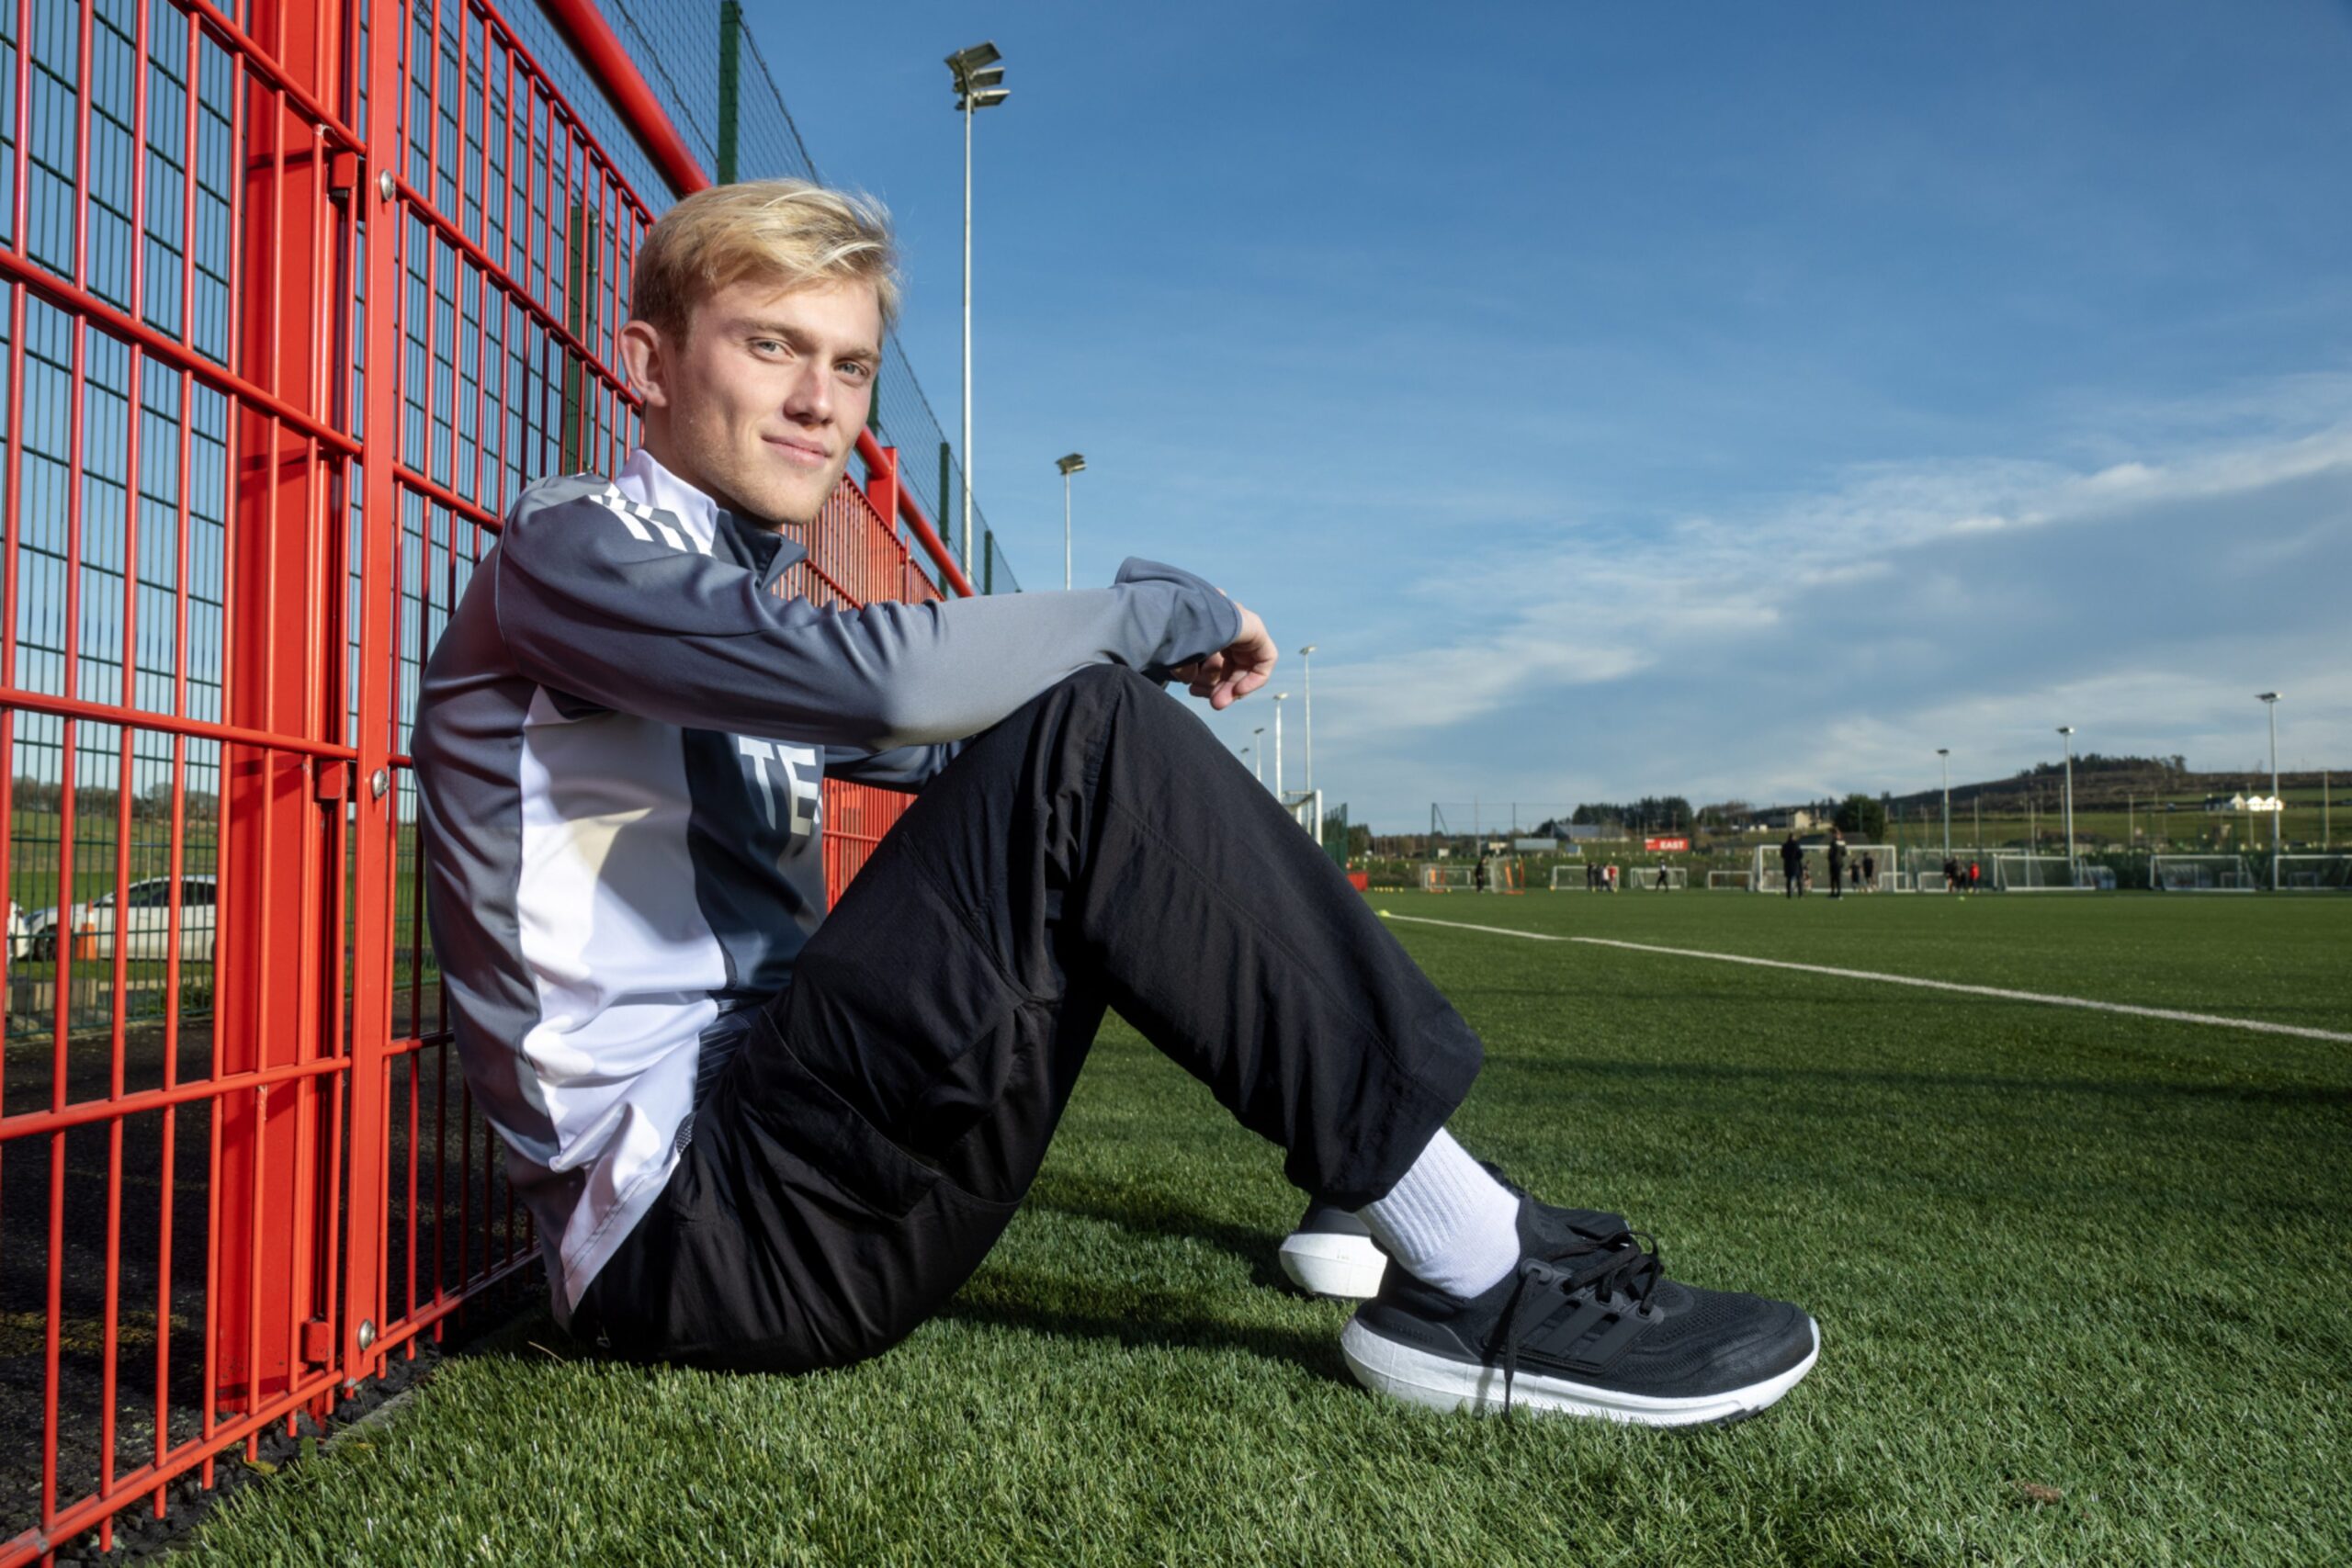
column 1240, row 668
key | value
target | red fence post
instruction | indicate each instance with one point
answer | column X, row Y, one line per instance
column 284, row 678
column 376, row 865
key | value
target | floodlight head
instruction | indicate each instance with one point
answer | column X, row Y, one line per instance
column 1308, row 649
column 2065, row 729
column 982, row 80
column 1943, row 751
column 1074, row 463
column 963, row 61
column 2265, row 697
column 986, row 99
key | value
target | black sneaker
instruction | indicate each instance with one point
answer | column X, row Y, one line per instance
column 1587, row 1324
column 1332, row 1254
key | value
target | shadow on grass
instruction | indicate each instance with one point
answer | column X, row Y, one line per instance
column 1147, row 1212
column 1137, row 1319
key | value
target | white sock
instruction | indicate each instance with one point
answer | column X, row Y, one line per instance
column 1447, row 1222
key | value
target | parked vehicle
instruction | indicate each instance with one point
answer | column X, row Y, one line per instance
column 146, row 929
column 20, row 935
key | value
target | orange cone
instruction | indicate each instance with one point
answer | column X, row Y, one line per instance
column 86, row 940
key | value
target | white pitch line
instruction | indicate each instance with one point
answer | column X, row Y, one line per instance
column 2000, row 993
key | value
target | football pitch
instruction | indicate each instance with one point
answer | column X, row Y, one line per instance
column 2083, row 1277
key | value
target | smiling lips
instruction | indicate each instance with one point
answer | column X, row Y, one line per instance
column 804, row 454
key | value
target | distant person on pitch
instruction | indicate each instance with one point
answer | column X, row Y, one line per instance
column 1870, row 873
column 756, row 1134
column 1837, row 863
column 1792, row 867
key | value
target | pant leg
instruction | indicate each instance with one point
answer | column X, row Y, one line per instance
column 874, row 1135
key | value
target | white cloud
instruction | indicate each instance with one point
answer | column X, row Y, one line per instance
column 1816, row 642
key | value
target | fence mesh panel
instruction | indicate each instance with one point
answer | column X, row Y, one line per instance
column 291, row 308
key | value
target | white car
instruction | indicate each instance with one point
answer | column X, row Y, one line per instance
column 20, row 935
column 146, row 932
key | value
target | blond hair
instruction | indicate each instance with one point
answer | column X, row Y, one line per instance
column 791, row 231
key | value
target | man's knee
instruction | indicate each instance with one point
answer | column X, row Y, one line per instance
column 1102, row 693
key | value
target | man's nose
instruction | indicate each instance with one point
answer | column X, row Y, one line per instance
column 810, row 400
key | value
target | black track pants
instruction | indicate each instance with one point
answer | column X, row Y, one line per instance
column 864, row 1149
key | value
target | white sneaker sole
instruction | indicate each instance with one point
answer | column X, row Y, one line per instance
column 1417, row 1377
column 1348, row 1267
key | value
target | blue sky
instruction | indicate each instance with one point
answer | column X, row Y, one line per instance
column 1718, row 399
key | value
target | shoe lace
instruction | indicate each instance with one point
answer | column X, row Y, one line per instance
column 1618, row 1265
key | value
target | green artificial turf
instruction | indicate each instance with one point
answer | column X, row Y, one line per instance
column 2082, row 1282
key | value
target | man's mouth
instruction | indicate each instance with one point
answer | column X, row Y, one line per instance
column 800, row 454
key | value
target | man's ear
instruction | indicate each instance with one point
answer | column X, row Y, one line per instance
column 643, row 357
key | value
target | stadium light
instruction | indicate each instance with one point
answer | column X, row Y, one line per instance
column 2269, row 700
column 978, row 85
column 1946, row 755
column 1278, row 745
column 1306, row 663
column 1071, row 464
column 1261, row 769
column 2068, row 731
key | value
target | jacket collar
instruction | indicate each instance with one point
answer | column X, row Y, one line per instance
column 768, row 550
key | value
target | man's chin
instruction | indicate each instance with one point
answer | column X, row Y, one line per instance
column 796, row 509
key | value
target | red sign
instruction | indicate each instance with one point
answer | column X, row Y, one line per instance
column 1667, row 846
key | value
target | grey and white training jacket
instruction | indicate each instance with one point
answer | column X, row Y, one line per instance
column 618, row 747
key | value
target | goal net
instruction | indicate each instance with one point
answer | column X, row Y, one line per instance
column 2315, row 873
column 1656, row 878
column 1924, row 871
column 1867, row 866
column 1739, row 880
column 1439, row 877
column 1571, row 877
column 2038, row 874
column 2201, row 874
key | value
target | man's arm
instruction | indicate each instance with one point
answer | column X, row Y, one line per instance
column 643, row 626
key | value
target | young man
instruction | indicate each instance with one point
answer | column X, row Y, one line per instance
column 1837, row 863
column 754, row 1140
column 1792, row 867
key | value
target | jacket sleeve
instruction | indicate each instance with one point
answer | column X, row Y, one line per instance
column 904, row 768
column 645, row 627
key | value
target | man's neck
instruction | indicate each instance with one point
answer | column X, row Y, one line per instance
column 655, row 445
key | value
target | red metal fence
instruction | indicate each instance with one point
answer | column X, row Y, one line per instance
column 293, row 306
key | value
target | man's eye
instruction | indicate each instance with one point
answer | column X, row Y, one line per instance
column 768, row 345
column 856, row 370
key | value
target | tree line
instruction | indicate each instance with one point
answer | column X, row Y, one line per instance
column 48, row 797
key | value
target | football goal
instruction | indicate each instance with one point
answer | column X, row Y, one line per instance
column 1657, row 878
column 2201, row 874
column 2315, row 873
column 1739, row 880
column 1571, row 876
column 1439, row 877
column 2038, row 874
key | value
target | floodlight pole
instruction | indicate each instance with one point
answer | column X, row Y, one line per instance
column 1071, row 464
column 1278, row 746
column 1944, row 753
column 1305, row 657
column 976, row 87
column 2270, row 701
column 1261, row 769
column 2068, row 731
column 964, row 504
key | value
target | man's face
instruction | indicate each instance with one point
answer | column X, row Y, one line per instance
column 759, row 406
